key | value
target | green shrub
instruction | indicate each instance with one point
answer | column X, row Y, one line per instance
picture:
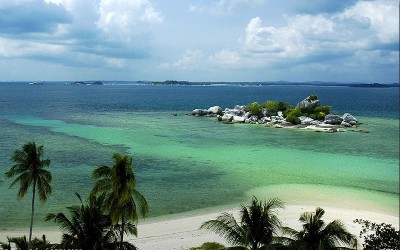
column 283, row 106
column 293, row 119
column 209, row 246
column 254, row 109
column 313, row 97
column 271, row 106
column 324, row 109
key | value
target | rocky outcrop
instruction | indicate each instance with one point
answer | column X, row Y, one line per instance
column 239, row 114
column 309, row 102
column 333, row 119
column 215, row 110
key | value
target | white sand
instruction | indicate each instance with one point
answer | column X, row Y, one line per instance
column 182, row 231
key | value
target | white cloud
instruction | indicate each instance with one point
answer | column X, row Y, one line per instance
column 115, row 62
column 13, row 48
column 225, row 57
column 191, row 60
column 222, row 7
column 124, row 19
column 382, row 15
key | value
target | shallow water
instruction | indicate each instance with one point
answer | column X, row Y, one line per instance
column 185, row 163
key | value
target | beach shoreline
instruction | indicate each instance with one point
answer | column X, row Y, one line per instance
column 181, row 231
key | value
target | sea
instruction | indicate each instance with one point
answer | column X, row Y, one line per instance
column 185, row 163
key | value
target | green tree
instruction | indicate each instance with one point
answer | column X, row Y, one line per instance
column 255, row 109
column 316, row 235
column 378, row 236
column 272, row 107
column 256, row 229
column 118, row 184
column 29, row 169
column 22, row 244
column 89, row 227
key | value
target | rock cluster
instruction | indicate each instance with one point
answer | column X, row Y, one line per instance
column 239, row 114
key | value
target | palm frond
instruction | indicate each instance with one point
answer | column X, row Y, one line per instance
column 226, row 226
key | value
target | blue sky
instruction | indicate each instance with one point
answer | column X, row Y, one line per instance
column 200, row 40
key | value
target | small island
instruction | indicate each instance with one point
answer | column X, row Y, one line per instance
column 85, row 83
column 307, row 114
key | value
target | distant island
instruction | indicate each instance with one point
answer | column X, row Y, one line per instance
column 85, row 83
column 272, row 83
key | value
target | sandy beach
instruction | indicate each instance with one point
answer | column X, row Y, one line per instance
column 181, row 231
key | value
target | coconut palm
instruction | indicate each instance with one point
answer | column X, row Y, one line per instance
column 317, row 235
column 118, row 183
column 21, row 243
column 29, row 169
column 257, row 227
column 89, row 227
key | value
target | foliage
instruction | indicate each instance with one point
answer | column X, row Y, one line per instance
column 283, row 106
column 88, row 226
column 272, row 107
column 29, row 169
column 118, row 185
column 313, row 97
column 255, row 109
column 293, row 114
column 378, row 236
column 317, row 235
column 209, row 246
column 256, row 229
column 22, row 244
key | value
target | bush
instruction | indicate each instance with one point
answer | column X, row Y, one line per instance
column 313, row 97
column 283, row 106
column 209, row 246
column 293, row 119
column 378, row 236
column 272, row 107
column 324, row 109
column 254, row 109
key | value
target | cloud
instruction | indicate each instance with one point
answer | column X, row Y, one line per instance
column 364, row 26
column 67, row 31
column 320, row 6
column 225, row 57
column 31, row 17
column 191, row 60
column 124, row 19
column 223, row 7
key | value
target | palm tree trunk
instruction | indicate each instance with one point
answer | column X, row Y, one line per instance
column 122, row 229
column 33, row 210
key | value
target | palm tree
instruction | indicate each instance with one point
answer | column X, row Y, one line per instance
column 29, row 167
column 316, row 235
column 256, row 230
column 21, row 243
column 89, row 227
column 118, row 183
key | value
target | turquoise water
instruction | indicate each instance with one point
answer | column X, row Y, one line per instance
column 185, row 163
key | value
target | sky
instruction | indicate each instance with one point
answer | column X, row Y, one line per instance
column 200, row 40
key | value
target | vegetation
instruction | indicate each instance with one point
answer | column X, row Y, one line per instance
column 209, row 246
column 29, row 169
column 257, row 227
column 89, row 227
column 122, row 201
column 291, row 113
column 270, row 107
column 317, row 235
column 21, row 243
column 378, row 236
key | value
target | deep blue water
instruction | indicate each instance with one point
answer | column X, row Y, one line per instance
column 53, row 99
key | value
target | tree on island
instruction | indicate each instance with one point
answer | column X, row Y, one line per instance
column 29, row 169
column 257, row 227
column 89, row 227
column 317, row 235
column 122, row 201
